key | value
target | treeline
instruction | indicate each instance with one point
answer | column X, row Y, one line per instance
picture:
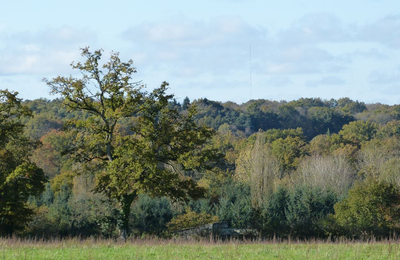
column 111, row 159
column 309, row 168
column 313, row 115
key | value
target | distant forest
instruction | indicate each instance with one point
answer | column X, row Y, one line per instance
column 308, row 168
column 314, row 115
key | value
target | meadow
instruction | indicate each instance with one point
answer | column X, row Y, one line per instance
column 180, row 249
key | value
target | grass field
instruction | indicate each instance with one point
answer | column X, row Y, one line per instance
column 158, row 249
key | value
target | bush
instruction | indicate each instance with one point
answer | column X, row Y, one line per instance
column 191, row 219
column 151, row 215
column 372, row 208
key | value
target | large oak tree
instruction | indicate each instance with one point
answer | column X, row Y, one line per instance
column 149, row 156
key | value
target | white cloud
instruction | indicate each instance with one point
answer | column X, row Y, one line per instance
column 316, row 28
column 385, row 31
column 372, row 53
column 47, row 51
column 191, row 47
column 221, row 46
column 213, row 54
column 303, row 59
column 378, row 77
column 185, row 32
column 326, row 81
column 299, row 48
column 279, row 81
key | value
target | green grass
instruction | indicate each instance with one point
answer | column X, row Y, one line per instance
column 158, row 249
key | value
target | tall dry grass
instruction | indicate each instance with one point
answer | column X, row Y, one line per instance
column 156, row 241
column 180, row 248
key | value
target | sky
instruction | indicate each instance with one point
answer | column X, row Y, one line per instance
column 223, row 50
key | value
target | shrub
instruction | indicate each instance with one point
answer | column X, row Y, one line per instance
column 191, row 219
column 372, row 208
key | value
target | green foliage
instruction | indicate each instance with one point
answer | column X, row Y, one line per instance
column 60, row 211
column 72, row 211
column 289, row 151
column 66, row 178
column 270, row 219
column 308, row 102
column 287, row 146
column 324, row 119
column 133, row 142
column 47, row 196
column 19, row 177
column 186, row 103
column 214, row 114
column 324, row 144
column 235, row 205
column 391, row 129
column 275, row 134
column 206, row 205
column 289, row 117
column 151, row 215
column 297, row 213
column 40, row 125
column 349, row 106
column 190, row 219
column 260, row 119
column 371, row 209
column 91, row 214
column 306, row 210
column 347, row 142
column 161, row 143
column 357, row 132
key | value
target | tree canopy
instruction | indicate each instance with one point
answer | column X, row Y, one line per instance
column 19, row 177
column 152, row 153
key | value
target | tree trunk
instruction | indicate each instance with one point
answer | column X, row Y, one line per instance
column 125, row 212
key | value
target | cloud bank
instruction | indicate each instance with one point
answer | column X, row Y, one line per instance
column 206, row 56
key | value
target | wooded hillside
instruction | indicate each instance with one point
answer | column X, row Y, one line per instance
column 117, row 160
column 301, row 168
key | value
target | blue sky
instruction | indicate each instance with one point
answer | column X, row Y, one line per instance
column 313, row 48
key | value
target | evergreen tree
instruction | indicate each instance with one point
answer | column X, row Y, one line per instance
column 186, row 103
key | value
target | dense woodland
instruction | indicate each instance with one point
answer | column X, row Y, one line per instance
column 308, row 168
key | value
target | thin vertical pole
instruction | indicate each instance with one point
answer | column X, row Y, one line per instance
column 250, row 73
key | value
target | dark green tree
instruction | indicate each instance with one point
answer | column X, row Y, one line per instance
column 299, row 212
column 186, row 103
column 235, row 205
column 307, row 209
column 151, row 215
column 270, row 219
column 60, row 211
column 19, row 177
column 161, row 145
column 261, row 119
